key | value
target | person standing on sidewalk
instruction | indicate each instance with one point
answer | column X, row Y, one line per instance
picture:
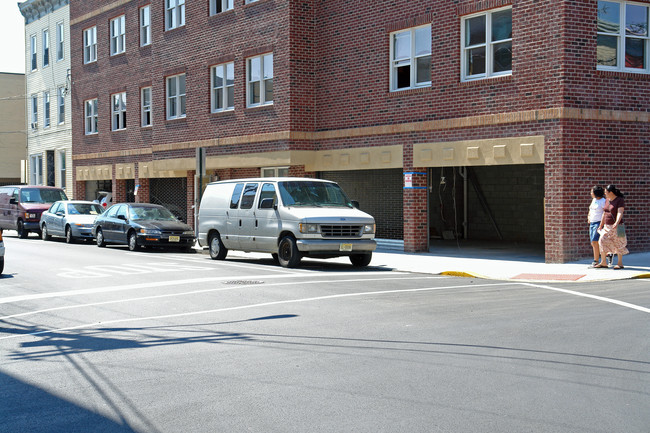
column 594, row 217
column 612, row 229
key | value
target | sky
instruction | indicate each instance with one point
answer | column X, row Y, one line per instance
column 12, row 33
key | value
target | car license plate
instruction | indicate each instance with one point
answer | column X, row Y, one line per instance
column 174, row 239
column 345, row 247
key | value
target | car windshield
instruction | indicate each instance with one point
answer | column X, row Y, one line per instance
column 151, row 213
column 84, row 209
column 38, row 195
column 308, row 193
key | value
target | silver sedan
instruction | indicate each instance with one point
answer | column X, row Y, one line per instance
column 72, row 219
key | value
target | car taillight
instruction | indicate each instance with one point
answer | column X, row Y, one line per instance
column 0, row 235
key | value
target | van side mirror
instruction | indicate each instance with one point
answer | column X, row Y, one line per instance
column 12, row 200
column 267, row 203
column 355, row 204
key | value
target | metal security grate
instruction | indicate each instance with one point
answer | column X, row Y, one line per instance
column 340, row 231
column 171, row 193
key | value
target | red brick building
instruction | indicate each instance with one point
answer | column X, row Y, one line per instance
column 474, row 119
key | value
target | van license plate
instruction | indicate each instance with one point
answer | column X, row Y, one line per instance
column 345, row 247
column 174, row 239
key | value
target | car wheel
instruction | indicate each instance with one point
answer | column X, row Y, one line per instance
column 217, row 250
column 20, row 228
column 360, row 260
column 288, row 254
column 68, row 235
column 100, row 238
column 2, row 264
column 44, row 234
column 133, row 242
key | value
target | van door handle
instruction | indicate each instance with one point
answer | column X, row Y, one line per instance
column 239, row 223
column 255, row 223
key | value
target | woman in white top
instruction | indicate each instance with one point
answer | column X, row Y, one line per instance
column 594, row 217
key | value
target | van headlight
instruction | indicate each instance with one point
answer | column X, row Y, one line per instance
column 369, row 228
column 309, row 228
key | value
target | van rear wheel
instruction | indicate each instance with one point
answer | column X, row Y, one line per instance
column 217, row 250
column 288, row 254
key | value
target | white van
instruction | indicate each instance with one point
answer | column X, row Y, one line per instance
column 288, row 217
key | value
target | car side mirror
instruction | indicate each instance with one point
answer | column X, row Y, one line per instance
column 60, row 213
column 12, row 201
column 121, row 217
column 267, row 203
column 355, row 204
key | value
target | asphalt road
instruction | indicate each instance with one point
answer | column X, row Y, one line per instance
column 95, row 340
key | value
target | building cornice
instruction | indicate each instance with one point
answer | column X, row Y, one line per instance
column 34, row 10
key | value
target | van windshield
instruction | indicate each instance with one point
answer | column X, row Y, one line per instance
column 307, row 193
column 38, row 195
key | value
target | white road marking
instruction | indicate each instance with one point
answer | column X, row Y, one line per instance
column 244, row 307
column 220, row 289
column 586, row 295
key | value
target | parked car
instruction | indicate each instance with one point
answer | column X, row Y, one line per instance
column 142, row 224
column 105, row 198
column 287, row 217
column 2, row 253
column 70, row 219
column 21, row 206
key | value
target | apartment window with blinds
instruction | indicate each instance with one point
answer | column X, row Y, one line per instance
column 118, row 111
column 176, row 97
column 174, row 14
column 90, row 116
column 46, row 48
column 145, row 26
column 46, row 109
column 145, row 114
column 32, row 52
column 61, row 104
column 260, row 80
column 60, row 44
column 223, row 87
column 118, row 30
column 90, row 45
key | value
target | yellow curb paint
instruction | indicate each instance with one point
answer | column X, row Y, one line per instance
column 461, row 274
column 640, row 276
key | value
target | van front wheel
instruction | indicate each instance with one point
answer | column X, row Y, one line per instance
column 288, row 254
column 217, row 250
column 360, row 260
column 22, row 233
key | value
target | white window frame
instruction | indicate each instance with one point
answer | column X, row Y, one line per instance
column 219, row 6
column 60, row 42
column 118, row 38
column 46, row 109
column 274, row 171
column 90, row 45
column 90, row 116
column 32, row 53
column 145, row 107
column 62, row 169
column 176, row 100
column 488, row 45
column 220, row 92
column 622, row 37
column 60, row 95
column 36, row 169
column 259, row 73
column 250, row 1
column 145, row 25
column 412, row 60
column 34, row 123
column 118, row 111
column 174, row 14
column 46, row 47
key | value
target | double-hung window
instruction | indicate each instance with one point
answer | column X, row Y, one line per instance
column 176, row 97
column 623, row 37
column 145, row 26
column 90, row 45
column 411, row 58
column 218, row 6
column 223, row 87
column 60, row 46
column 145, row 111
column 486, row 44
column 260, row 80
column 46, row 48
column 32, row 52
column 118, row 111
column 174, row 14
column 62, row 169
column 46, row 109
column 36, row 168
column 34, row 112
column 117, row 35
column 90, row 115
column 61, row 104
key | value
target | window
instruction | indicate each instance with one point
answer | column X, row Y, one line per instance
column 623, row 37
column 118, row 111
column 46, row 109
column 275, row 171
column 32, row 51
column 174, row 14
column 34, row 112
column 62, row 169
column 90, row 114
column 223, row 87
column 59, row 42
column 218, row 6
column 268, row 191
column 90, row 45
column 61, row 104
column 145, row 104
column 117, row 35
column 260, row 80
column 46, row 48
column 487, row 45
column 176, row 96
column 411, row 58
column 145, row 26
column 236, row 194
column 250, row 1
column 248, row 197
column 36, row 163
